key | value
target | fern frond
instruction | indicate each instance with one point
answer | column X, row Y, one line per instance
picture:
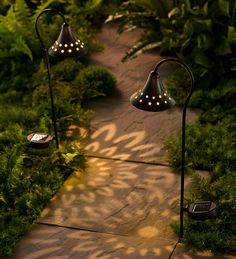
column 92, row 5
column 40, row 8
column 20, row 46
column 22, row 12
column 139, row 48
column 161, row 6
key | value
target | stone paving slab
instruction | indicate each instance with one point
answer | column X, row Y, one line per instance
column 123, row 132
column 61, row 243
column 117, row 197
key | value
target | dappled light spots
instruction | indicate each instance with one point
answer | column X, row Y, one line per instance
column 84, row 246
column 68, row 198
column 108, row 141
column 143, row 251
column 115, row 197
column 133, row 137
column 120, row 184
column 108, row 151
column 108, row 130
column 91, row 212
column 151, row 152
column 130, row 250
column 88, row 197
column 93, row 146
column 122, row 156
column 143, row 147
column 157, row 251
column 148, row 232
column 45, row 252
column 105, row 191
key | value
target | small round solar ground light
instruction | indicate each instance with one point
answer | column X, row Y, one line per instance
column 39, row 140
column 202, row 210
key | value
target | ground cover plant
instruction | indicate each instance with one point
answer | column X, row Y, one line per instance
column 202, row 34
column 29, row 177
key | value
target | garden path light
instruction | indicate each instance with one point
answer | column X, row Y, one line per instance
column 154, row 98
column 65, row 46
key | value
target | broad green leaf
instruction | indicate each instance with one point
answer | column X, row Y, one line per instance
column 205, row 24
column 223, row 47
column 201, row 59
column 69, row 157
column 2, row 198
column 173, row 12
column 231, row 35
column 205, row 8
column 162, row 7
column 188, row 28
column 92, row 5
column 224, row 6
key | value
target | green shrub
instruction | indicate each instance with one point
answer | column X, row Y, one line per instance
column 66, row 70
column 23, row 194
column 209, row 147
column 61, row 90
column 17, row 114
column 95, row 81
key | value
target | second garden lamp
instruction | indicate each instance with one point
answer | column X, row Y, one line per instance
column 65, row 46
column 154, row 98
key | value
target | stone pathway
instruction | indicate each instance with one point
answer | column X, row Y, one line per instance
column 123, row 205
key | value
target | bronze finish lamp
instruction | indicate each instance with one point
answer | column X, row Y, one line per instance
column 154, row 98
column 65, row 46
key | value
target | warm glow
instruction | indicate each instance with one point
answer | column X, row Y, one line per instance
column 148, row 232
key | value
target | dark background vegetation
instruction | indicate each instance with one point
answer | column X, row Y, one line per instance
column 201, row 33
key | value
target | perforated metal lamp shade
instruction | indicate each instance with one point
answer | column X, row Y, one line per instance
column 67, row 45
column 153, row 97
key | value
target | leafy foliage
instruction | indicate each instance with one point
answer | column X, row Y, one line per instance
column 23, row 194
column 209, row 147
column 30, row 177
column 220, row 233
column 202, row 33
column 95, row 81
column 147, row 15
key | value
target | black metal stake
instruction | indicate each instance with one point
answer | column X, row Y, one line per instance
column 181, row 230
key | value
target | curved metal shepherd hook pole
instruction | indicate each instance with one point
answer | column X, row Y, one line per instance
column 183, row 137
column 46, row 57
